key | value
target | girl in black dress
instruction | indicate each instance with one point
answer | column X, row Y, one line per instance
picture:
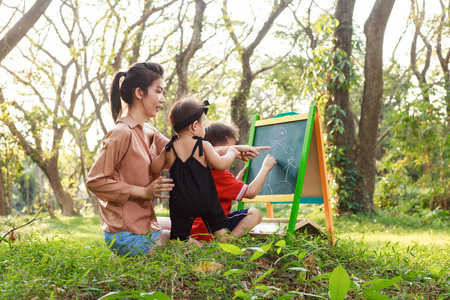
column 189, row 158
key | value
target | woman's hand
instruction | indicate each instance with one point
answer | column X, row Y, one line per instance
column 155, row 189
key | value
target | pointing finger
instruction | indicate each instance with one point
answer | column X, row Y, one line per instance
column 260, row 148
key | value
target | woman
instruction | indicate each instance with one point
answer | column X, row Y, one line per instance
column 121, row 177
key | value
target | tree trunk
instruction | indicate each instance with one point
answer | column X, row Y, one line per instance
column 40, row 187
column 92, row 197
column 239, row 111
column 374, row 29
column 3, row 211
column 136, row 47
column 338, row 107
column 50, row 208
column 444, row 58
column 9, row 185
column 447, row 98
column 418, row 19
column 49, row 165
column 239, row 114
column 343, row 42
column 20, row 29
column 95, row 204
column 27, row 187
column 64, row 200
column 195, row 44
column 353, row 156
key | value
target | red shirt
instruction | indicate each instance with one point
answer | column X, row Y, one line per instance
column 228, row 190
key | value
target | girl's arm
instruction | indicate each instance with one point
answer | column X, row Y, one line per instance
column 158, row 163
column 215, row 160
column 249, row 152
column 246, row 152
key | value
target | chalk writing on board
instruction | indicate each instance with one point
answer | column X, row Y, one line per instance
column 277, row 141
column 290, row 162
column 286, row 142
column 279, row 134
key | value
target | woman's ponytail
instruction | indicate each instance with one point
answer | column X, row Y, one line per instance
column 114, row 96
column 140, row 75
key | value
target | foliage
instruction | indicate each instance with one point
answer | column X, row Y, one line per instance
column 335, row 70
column 304, row 75
column 27, row 184
column 70, row 60
column 11, row 160
column 415, row 168
column 317, row 78
column 344, row 173
column 65, row 265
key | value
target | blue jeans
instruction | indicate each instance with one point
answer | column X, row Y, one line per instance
column 127, row 243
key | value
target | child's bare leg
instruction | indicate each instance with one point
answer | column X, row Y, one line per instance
column 252, row 219
column 164, row 222
column 163, row 238
column 220, row 235
column 161, row 241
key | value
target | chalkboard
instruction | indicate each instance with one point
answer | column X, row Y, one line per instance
column 286, row 142
column 300, row 175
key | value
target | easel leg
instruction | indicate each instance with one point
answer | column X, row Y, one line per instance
column 270, row 210
column 323, row 175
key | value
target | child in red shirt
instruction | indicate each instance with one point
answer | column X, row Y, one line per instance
column 230, row 188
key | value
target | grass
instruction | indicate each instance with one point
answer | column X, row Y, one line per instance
column 66, row 258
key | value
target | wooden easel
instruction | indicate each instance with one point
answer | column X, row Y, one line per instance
column 311, row 186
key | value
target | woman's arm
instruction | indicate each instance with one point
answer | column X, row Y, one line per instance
column 159, row 163
column 215, row 160
column 101, row 180
column 153, row 190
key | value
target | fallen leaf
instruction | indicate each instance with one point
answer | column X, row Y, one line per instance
column 263, row 263
column 12, row 237
column 208, row 267
column 311, row 264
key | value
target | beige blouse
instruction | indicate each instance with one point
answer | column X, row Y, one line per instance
column 124, row 161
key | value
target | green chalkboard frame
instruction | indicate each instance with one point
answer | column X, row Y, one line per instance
column 296, row 198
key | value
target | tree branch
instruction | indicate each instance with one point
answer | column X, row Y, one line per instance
column 267, row 25
column 21, row 140
column 20, row 29
column 141, row 20
column 14, row 229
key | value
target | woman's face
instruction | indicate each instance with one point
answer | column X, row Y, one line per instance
column 152, row 102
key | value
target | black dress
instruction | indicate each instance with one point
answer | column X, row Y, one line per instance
column 194, row 195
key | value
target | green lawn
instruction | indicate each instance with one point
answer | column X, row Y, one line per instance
column 65, row 258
